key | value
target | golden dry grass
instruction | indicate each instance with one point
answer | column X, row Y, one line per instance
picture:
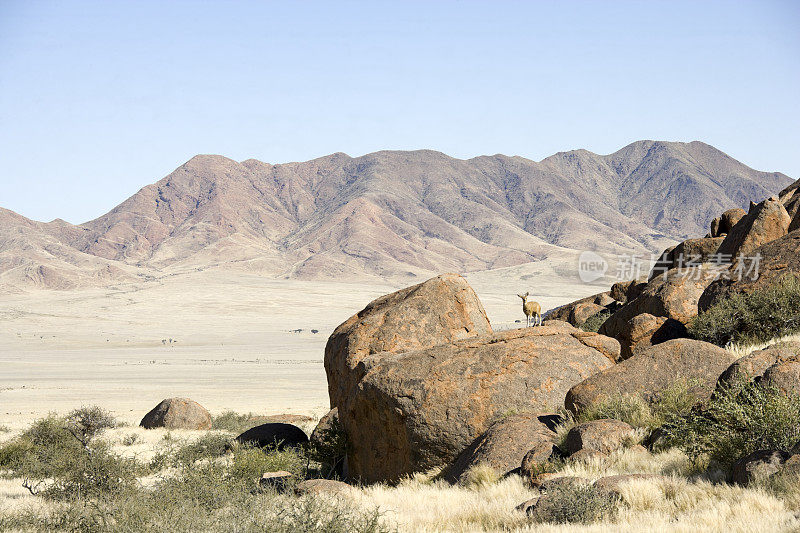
column 418, row 504
column 740, row 350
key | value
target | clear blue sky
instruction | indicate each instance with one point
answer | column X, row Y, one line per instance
column 100, row 99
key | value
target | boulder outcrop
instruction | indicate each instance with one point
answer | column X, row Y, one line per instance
column 764, row 223
column 578, row 312
column 650, row 372
column 420, row 409
column 775, row 259
column 753, row 365
column 673, row 296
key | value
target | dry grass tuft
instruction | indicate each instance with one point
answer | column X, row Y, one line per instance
column 740, row 350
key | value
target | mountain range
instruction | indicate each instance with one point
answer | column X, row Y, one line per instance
column 389, row 215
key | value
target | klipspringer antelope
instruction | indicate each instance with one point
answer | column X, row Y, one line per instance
column 532, row 310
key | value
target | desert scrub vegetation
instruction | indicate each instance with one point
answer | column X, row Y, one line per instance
column 758, row 317
column 594, row 322
column 643, row 414
column 740, row 418
column 574, row 503
column 209, row 484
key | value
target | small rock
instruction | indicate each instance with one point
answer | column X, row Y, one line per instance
column 277, row 480
column 275, row 434
column 586, row 455
column 504, row 445
column 527, row 504
column 177, row 413
column 758, row 465
column 604, row 436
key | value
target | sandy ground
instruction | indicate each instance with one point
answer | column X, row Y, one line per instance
column 229, row 340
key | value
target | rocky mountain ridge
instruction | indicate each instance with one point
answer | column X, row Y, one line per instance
column 389, row 214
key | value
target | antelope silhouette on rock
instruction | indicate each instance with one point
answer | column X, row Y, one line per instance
column 532, row 310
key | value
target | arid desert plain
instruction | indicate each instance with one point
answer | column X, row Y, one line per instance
column 229, row 340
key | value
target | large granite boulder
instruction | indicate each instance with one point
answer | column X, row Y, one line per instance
column 439, row 311
column 776, row 259
column 503, row 446
column 418, row 410
column 764, row 223
column 177, row 413
column 650, row 372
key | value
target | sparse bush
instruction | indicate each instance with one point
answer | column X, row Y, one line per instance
column 130, row 439
column 209, row 446
column 87, row 422
column 237, row 422
column 231, row 421
column 672, row 402
column 594, row 322
column 92, row 473
column 573, row 503
column 741, row 418
column 249, row 463
column 43, row 443
column 56, row 456
column 763, row 315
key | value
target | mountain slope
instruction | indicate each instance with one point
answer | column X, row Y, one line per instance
column 393, row 214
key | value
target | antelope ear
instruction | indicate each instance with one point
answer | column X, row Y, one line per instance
column 527, row 294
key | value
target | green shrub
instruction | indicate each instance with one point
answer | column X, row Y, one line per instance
column 89, row 473
column 209, row 446
column 57, row 457
column 249, row 463
column 594, row 322
column 573, row 503
column 87, row 422
column 39, row 446
column 649, row 413
column 763, row 315
column 130, row 439
column 98, row 490
column 741, row 418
